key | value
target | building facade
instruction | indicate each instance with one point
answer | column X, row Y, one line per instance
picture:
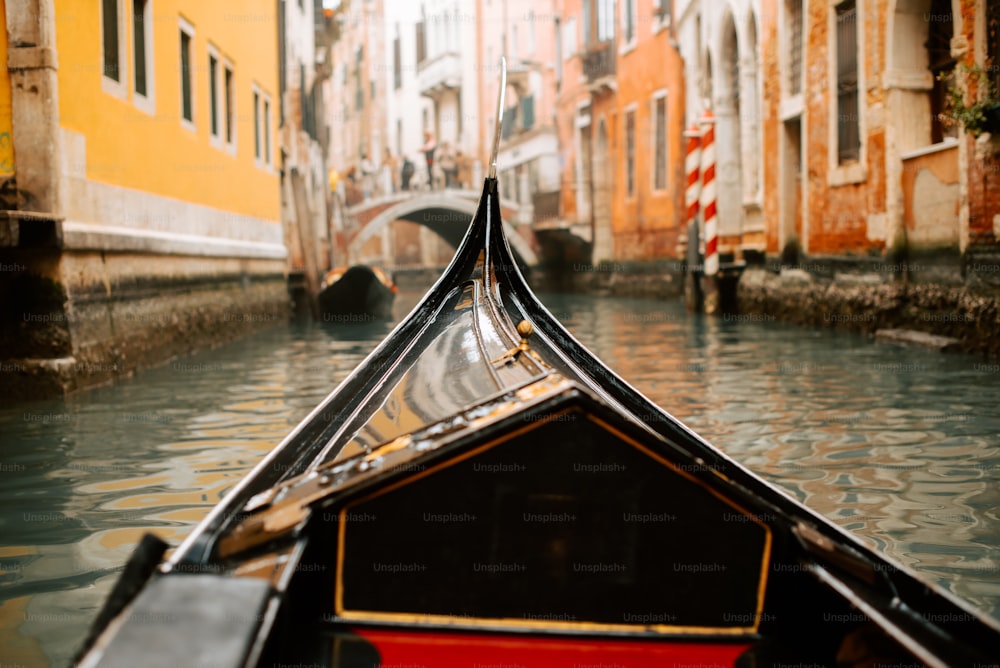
column 141, row 187
column 304, row 36
column 833, row 129
column 620, row 115
column 525, row 33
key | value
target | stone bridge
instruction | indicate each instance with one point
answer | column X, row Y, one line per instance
column 446, row 212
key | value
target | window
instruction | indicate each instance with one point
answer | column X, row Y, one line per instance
column 660, row 142
column 140, row 54
column 214, row 106
column 111, row 35
column 267, row 131
column 256, row 126
column 527, row 105
column 421, row 43
column 261, row 127
column 793, row 23
column 630, row 152
column 662, row 9
column 513, row 43
column 187, row 87
column 628, row 21
column 229, row 118
column 598, row 21
column 848, row 127
column 397, row 61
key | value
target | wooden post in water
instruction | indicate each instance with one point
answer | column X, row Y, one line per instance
column 710, row 283
column 692, row 195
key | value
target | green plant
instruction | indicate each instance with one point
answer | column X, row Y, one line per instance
column 976, row 106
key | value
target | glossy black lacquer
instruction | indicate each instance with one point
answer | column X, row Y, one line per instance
column 448, row 391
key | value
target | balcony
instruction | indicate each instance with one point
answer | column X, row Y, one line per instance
column 439, row 73
column 599, row 64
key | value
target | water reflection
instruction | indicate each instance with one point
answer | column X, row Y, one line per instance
column 898, row 446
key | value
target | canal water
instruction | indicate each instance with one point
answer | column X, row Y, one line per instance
column 899, row 446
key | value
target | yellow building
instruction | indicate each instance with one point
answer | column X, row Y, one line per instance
column 139, row 179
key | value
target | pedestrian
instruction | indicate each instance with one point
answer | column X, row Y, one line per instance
column 406, row 172
column 428, row 150
column 367, row 176
column 448, row 167
column 464, row 169
column 389, row 172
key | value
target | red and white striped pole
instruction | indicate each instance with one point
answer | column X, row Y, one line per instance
column 692, row 166
column 708, row 205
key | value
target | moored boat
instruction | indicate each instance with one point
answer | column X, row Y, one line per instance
column 481, row 488
column 358, row 293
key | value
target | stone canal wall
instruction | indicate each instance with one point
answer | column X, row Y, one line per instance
column 968, row 311
column 942, row 298
column 662, row 279
column 80, row 319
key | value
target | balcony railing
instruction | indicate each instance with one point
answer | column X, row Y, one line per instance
column 599, row 61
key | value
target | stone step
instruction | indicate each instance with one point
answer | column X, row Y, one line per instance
column 912, row 337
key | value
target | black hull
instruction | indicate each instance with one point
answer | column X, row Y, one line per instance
column 356, row 297
column 472, row 492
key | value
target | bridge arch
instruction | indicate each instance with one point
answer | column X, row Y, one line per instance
column 448, row 214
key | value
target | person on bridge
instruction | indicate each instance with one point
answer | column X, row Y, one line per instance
column 367, row 176
column 388, row 173
column 406, row 172
column 463, row 172
column 448, row 166
column 428, row 150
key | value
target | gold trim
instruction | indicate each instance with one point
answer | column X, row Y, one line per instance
column 762, row 581
column 546, row 624
column 514, row 623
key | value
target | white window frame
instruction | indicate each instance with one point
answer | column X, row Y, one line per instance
column 263, row 155
column 188, row 29
column 258, row 138
column 631, row 108
column 661, row 22
column 147, row 102
column 212, row 53
column 606, row 19
column 120, row 87
column 855, row 171
column 658, row 95
column 229, row 115
column 630, row 44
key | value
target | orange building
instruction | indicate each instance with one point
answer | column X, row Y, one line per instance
column 832, row 128
column 620, row 117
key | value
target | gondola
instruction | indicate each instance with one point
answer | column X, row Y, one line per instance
column 358, row 293
column 481, row 489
